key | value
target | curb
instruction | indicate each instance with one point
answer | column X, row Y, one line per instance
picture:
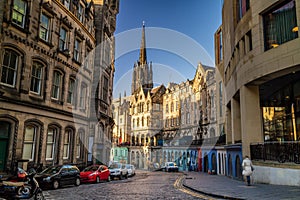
column 211, row 194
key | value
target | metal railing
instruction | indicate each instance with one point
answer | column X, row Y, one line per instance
column 276, row 151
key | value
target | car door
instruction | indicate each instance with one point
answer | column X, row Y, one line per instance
column 64, row 176
column 104, row 173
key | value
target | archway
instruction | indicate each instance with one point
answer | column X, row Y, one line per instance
column 205, row 164
column 238, row 167
column 214, row 163
column 229, row 165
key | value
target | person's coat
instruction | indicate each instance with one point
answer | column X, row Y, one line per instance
column 247, row 169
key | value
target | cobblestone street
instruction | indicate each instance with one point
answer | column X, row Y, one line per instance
column 145, row 185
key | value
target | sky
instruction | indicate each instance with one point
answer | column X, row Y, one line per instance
column 179, row 35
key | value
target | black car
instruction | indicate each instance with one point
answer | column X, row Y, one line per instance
column 57, row 176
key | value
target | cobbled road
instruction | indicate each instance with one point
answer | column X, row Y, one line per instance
column 145, row 185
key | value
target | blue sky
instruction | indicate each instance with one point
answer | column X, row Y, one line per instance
column 179, row 34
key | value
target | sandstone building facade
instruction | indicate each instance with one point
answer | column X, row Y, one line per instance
column 257, row 56
column 47, row 81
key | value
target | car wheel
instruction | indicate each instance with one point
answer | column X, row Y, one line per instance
column 126, row 176
column 97, row 179
column 108, row 179
column 39, row 196
column 121, row 176
column 55, row 184
column 77, row 182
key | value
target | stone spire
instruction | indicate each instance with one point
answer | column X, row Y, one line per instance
column 143, row 55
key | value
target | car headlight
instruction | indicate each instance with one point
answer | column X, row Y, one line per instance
column 48, row 179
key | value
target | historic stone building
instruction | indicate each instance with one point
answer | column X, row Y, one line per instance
column 55, row 97
column 259, row 63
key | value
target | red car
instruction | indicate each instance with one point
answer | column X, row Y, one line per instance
column 95, row 174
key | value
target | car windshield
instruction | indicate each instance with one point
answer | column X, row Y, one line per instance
column 91, row 168
column 114, row 165
column 171, row 164
column 51, row 170
column 128, row 166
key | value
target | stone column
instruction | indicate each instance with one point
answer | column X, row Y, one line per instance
column 235, row 120
column 251, row 120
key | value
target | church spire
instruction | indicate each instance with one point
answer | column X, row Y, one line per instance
column 143, row 56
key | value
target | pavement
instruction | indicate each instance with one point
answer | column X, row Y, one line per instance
column 223, row 187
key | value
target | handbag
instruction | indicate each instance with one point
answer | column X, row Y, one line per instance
column 252, row 168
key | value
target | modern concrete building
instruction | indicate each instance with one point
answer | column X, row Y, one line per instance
column 260, row 69
column 47, row 81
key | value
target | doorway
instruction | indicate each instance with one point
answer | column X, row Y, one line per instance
column 4, row 141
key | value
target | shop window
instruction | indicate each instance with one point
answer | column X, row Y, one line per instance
column 280, row 25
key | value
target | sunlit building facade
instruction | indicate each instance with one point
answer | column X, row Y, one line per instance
column 260, row 69
column 50, row 110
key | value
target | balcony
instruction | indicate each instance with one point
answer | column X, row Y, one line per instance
column 276, row 151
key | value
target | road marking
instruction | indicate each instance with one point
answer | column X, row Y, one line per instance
column 178, row 185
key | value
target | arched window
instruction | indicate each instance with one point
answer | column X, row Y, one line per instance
column 30, row 140
column 68, row 136
column 80, row 144
column 57, row 85
column 37, row 77
column 52, row 139
column 10, row 66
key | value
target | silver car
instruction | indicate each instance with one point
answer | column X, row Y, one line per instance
column 118, row 170
column 130, row 169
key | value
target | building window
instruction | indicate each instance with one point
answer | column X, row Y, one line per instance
column 221, row 98
column 67, row 142
column 142, row 121
column 51, row 142
column 133, row 123
column 56, row 85
column 62, row 39
column 105, row 89
column 249, row 41
column 70, row 98
column 9, row 68
column 77, row 45
column 83, row 93
column 138, row 122
column 36, row 77
column 148, row 121
column 172, row 107
column 107, row 50
column 79, row 144
column 280, row 25
column 242, row 6
column 29, row 142
column 66, row 3
column 80, row 12
column 219, row 46
column 19, row 12
column 167, row 108
column 44, row 27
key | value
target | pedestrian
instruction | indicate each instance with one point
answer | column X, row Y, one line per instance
column 247, row 169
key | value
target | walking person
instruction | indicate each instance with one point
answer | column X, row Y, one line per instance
column 247, row 169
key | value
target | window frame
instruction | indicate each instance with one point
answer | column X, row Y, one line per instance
column 77, row 50
column 32, row 142
column 58, row 96
column 52, row 143
column 63, row 41
column 42, row 27
column 8, row 68
column 37, row 79
column 67, row 144
column 83, row 95
column 71, row 91
column 18, row 12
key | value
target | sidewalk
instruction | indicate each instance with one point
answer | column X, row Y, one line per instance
column 224, row 187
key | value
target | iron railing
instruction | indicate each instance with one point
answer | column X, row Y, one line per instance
column 276, row 151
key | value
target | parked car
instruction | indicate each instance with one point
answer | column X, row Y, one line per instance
column 95, row 174
column 170, row 167
column 118, row 170
column 130, row 169
column 57, row 176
